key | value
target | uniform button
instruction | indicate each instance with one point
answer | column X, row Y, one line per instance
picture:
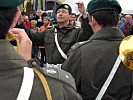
column 33, row 63
column 67, row 76
column 74, row 46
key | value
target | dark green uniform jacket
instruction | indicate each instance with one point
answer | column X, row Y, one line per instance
column 11, row 75
column 67, row 36
column 91, row 63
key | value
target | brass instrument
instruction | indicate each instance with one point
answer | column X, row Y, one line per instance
column 126, row 51
column 11, row 37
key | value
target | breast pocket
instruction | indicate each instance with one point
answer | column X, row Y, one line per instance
column 49, row 42
column 66, row 43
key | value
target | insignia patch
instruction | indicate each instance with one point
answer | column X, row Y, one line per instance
column 66, row 6
column 51, row 71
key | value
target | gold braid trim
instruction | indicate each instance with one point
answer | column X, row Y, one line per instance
column 44, row 82
column 11, row 37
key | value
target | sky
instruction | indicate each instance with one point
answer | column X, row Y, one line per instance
column 125, row 4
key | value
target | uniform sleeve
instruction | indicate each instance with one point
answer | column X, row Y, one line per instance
column 86, row 28
column 70, row 94
column 85, row 32
column 73, row 66
column 36, row 38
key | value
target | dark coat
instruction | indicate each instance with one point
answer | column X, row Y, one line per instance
column 131, row 31
column 67, row 36
column 91, row 63
column 11, row 75
column 39, row 24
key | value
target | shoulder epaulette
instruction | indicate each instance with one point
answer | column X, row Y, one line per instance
column 55, row 73
column 60, row 75
column 76, row 46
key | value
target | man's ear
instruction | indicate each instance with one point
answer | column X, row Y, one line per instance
column 16, row 18
column 95, row 26
column 93, row 22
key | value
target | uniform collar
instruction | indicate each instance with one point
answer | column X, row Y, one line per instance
column 69, row 26
column 9, row 58
column 108, row 33
column 64, row 29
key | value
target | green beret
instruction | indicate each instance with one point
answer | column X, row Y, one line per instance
column 64, row 6
column 10, row 3
column 96, row 5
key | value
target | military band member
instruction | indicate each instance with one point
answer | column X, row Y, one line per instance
column 91, row 62
column 58, row 40
column 17, row 80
